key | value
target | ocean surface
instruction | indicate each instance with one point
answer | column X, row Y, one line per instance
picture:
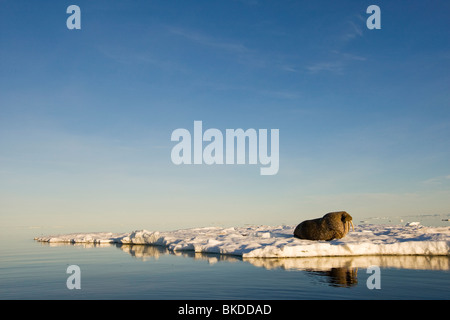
column 36, row 270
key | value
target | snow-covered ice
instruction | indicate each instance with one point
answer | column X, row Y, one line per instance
column 278, row 241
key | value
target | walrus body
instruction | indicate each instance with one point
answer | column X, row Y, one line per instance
column 333, row 225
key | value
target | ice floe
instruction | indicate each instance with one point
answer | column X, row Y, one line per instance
column 278, row 241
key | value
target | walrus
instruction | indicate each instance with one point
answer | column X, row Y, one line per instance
column 333, row 225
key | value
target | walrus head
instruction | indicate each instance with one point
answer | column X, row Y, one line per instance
column 347, row 221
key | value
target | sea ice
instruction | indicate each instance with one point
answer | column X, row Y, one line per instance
column 279, row 242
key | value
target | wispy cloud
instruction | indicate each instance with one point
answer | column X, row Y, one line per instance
column 326, row 66
column 335, row 64
column 206, row 40
column 244, row 55
column 351, row 31
column 350, row 56
column 338, row 59
column 437, row 180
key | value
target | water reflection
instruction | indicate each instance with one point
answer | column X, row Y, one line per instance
column 333, row 271
column 337, row 277
column 350, row 262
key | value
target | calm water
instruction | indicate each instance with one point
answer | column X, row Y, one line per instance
column 34, row 270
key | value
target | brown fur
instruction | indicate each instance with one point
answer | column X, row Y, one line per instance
column 333, row 225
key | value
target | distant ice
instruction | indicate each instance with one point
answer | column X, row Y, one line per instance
column 278, row 241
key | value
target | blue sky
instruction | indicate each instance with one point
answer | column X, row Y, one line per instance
column 86, row 115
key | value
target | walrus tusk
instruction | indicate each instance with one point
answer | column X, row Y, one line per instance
column 353, row 228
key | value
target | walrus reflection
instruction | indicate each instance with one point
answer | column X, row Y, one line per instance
column 338, row 277
column 333, row 225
